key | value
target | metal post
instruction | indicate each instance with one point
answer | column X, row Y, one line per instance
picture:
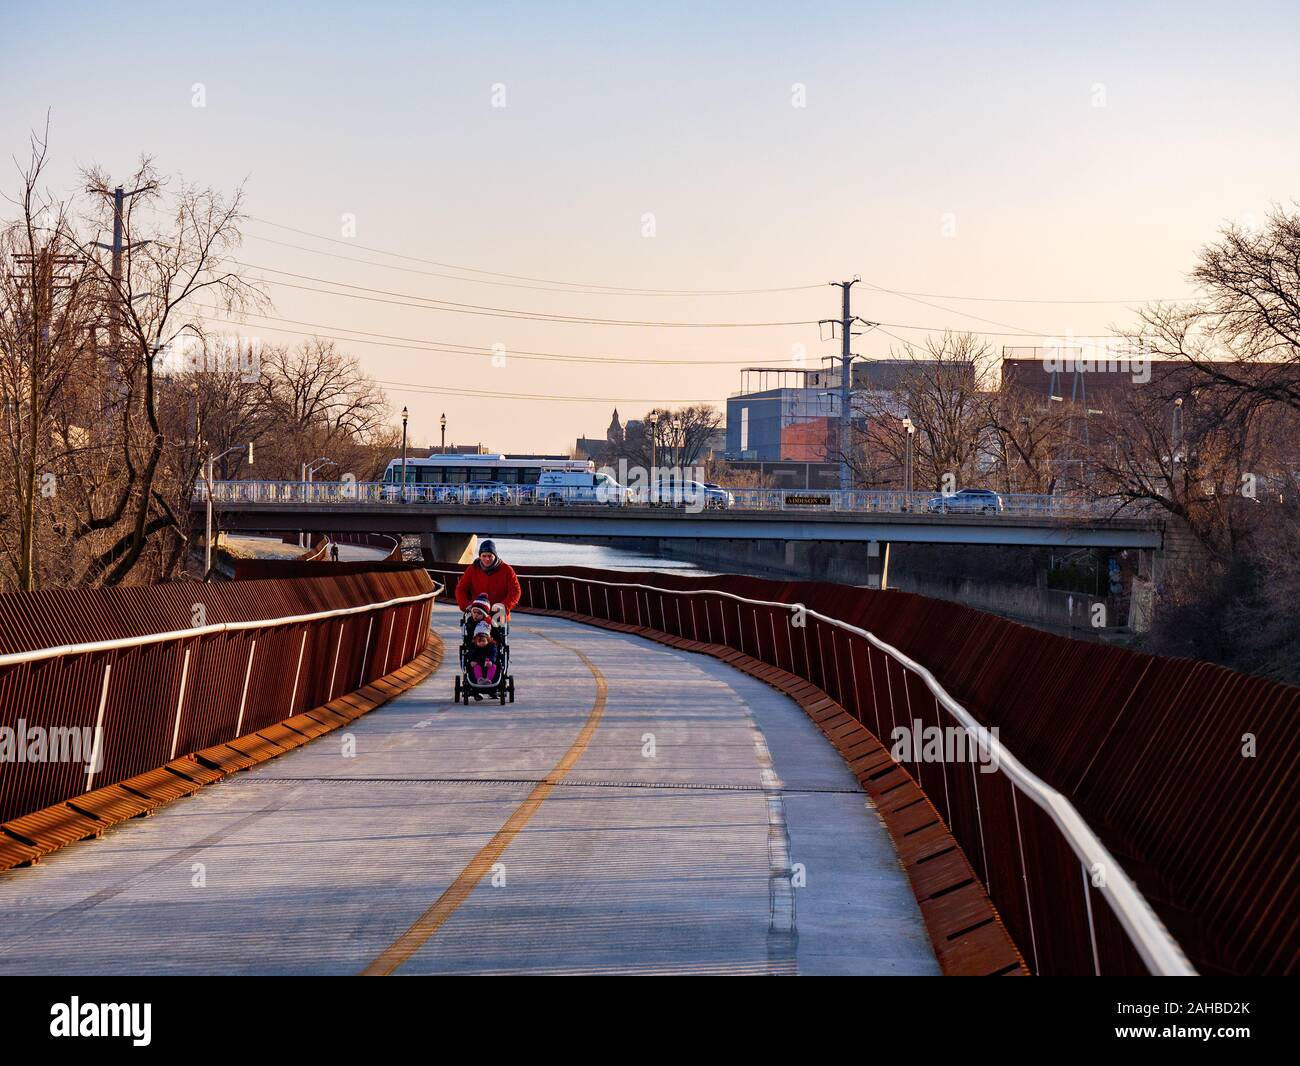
column 846, row 320
column 404, row 415
column 207, row 539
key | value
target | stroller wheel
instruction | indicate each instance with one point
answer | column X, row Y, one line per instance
column 458, row 688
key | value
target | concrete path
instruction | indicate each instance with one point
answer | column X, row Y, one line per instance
column 638, row 809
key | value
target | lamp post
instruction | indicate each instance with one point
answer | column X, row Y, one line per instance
column 404, row 417
column 442, row 422
column 653, row 419
column 309, row 470
column 207, row 537
column 907, row 459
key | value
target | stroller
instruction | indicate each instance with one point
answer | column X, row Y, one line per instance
column 501, row 687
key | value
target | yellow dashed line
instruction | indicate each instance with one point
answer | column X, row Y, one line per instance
column 458, row 891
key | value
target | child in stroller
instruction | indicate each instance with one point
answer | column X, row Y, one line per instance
column 484, row 656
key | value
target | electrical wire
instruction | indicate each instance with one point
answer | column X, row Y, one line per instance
column 424, row 303
column 389, row 340
column 453, row 307
column 595, row 287
column 558, row 286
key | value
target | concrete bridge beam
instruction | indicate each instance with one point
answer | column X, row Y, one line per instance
column 449, row 547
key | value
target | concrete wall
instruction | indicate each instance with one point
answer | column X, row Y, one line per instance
column 1003, row 580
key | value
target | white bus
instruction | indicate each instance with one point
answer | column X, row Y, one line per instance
column 502, row 479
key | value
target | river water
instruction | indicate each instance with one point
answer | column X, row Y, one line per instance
column 550, row 553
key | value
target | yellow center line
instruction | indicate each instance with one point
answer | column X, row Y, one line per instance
column 459, row 890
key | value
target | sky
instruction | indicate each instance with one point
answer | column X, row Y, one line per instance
column 1013, row 152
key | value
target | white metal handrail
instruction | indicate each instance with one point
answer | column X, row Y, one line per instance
column 1148, row 934
column 788, row 501
column 89, row 647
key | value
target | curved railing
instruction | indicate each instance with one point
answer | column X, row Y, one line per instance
column 1066, row 899
column 158, row 672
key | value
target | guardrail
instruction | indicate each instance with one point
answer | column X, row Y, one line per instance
column 1121, row 806
column 855, row 501
column 110, row 683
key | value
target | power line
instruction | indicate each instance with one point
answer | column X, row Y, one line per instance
column 593, row 288
column 454, row 307
column 557, row 286
column 429, row 304
column 1030, row 300
column 451, row 348
column 406, row 386
column 947, row 310
column 611, row 289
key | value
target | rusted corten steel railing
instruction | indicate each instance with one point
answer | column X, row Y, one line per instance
column 373, row 540
column 1148, row 751
column 145, row 675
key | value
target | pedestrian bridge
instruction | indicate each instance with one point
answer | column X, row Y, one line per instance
column 690, row 781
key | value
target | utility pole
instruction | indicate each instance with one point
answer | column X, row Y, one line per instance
column 118, row 248
column 845, row 323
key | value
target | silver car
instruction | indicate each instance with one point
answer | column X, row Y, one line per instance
column 966, row 501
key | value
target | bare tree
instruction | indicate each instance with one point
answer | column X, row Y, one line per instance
column 1027, row 436
column 44, row 315
column 177, row 253
column 320, row 403
column 1243, row 337
column 668, row 437
column 938, row 388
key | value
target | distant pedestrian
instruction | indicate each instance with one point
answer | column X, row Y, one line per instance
column 334, row 552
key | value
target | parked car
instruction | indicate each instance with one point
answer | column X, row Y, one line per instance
column 494, row 492
column 691, row 493
column 966, row 501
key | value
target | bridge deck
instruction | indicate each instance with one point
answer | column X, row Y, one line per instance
column 455, row 841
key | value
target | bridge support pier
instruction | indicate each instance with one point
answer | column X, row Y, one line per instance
column 449, row 547
column 877, row 564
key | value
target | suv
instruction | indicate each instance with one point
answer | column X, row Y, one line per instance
column 686, row 493
column 966, row 501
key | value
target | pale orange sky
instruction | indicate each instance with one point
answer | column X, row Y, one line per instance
column 999, row 150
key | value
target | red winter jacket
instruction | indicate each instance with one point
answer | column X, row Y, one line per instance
column 499, row 584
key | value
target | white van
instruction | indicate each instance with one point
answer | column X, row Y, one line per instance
column 558, row 487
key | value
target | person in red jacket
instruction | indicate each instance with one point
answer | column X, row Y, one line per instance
column 489, row 576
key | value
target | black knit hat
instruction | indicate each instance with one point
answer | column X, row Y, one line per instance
column 487, row 546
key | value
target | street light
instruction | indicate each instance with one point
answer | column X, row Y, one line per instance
column 309, row 469
column 207, row 539
column 653, row 419
column 304, row 476
column 404, row 417
column 907, row 457
column 1177, row 429
column 442, row 422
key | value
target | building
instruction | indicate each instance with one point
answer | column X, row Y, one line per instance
column 782, row 414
